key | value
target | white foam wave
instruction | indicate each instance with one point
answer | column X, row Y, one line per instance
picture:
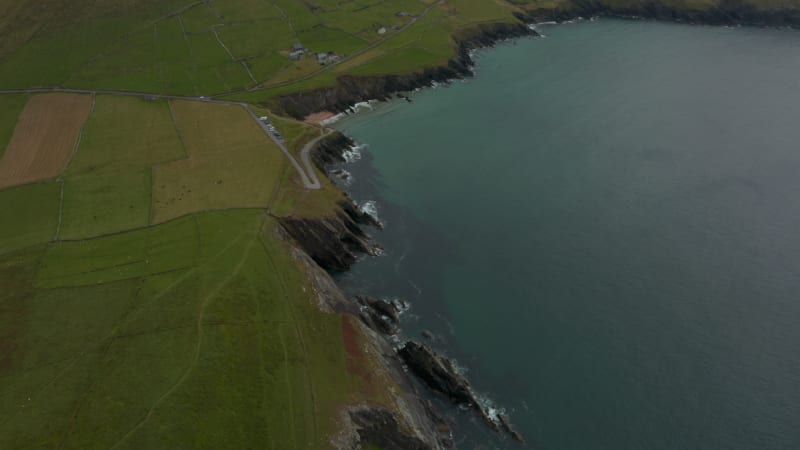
column 362, row 105
column 353, row 153
column 493, row 412
column 370, row 207
column 332, row 119
column 401, row 305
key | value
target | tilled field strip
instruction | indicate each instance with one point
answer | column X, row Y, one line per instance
column 44, row 138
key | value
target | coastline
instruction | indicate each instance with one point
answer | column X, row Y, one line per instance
column 348, row 238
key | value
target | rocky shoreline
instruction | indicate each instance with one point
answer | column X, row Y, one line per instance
column 727, row 12
column 333, row 243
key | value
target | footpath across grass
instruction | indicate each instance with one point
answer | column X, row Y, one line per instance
column 175, row 334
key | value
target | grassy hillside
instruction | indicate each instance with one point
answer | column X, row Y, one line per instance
column 203, row 48
column 198, row 331
column 133, row 315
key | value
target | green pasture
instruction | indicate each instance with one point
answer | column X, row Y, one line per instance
column 10, row 108
column 199, row 332
column 108, row 184
column 30, row 215
column 231, row 163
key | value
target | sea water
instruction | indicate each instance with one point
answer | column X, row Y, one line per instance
column 603, row 228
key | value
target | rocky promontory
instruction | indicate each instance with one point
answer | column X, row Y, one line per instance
column 441, row 376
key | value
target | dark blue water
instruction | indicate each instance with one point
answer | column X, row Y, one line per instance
column 603, row 227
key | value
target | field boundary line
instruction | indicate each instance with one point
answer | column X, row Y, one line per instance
column 80, row 135
column 307, row 175
column 130, row 315
column 57, row 237
column 263, row 86
column 242, row 62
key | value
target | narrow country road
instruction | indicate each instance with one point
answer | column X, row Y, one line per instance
column 306, row 171
column 305, row 155
column 309, row 177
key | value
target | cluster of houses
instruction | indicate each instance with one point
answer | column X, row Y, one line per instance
column 299, row 52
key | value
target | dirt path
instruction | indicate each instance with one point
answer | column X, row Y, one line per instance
column 198, row 345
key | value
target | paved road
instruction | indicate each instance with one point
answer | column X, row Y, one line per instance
column 306, row 157
column 307, row 174
column 309, row 177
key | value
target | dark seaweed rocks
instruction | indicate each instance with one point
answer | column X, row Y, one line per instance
column 440, row 375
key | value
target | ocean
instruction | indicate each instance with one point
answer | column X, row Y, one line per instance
column 603, row 229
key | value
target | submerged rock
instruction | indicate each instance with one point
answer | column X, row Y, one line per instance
column 437, row 372
column 509, row 429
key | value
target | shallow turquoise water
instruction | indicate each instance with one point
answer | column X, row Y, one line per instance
column 604, row 228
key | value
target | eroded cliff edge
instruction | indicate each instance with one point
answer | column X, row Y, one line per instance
column 350, row 90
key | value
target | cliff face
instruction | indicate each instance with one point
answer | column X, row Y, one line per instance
column 330, row 150
column 332, row 242
column 351, row 89
column 726, row 12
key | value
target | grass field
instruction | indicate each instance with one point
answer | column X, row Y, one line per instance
column 231, row 163
column 10, row 107
column 108, row 183
column 202, row 48
column 203, row 330
column 44, row 138
column 197, row 331
column 30, row 215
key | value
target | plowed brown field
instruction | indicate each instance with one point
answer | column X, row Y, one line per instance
column 44, row 138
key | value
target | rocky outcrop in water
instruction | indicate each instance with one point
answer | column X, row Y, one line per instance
column 330, row 150
column 440, row 375
column 350, row 90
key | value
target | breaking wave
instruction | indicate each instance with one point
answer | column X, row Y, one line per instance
column 332, row 119
column 360, row 106
column 370, row 207
column 353, row 153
